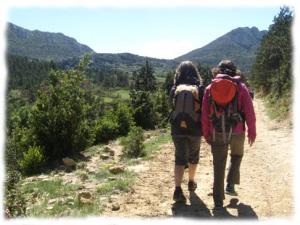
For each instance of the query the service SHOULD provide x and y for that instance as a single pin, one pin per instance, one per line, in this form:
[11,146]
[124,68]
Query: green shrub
[124,117]
[144,110]
[14,203]
[162,108]
[32,160]
[63,113]
[116,122]
[279,107]
[18,110]
[134,143]
[107,128]
[17,143]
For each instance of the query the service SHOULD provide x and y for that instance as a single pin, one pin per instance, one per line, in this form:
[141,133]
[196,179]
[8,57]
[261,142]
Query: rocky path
[266,189]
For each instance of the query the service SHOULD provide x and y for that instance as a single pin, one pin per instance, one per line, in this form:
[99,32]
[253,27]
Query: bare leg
[178,172]
[192,171]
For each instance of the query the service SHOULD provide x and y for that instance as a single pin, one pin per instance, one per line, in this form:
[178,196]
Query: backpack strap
[201,89]
[236,111]
[213,114]
[171,102]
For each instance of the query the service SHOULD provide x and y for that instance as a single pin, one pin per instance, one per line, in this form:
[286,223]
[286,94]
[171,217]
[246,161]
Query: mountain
[42,45]
[238,45]
[58,47]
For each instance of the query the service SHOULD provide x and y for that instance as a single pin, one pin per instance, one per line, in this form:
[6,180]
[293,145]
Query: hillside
[42,45]
[239,45]
[122,61]
[130,60]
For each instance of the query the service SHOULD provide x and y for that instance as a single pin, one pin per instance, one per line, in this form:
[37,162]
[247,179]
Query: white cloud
[162,49]
[165,49]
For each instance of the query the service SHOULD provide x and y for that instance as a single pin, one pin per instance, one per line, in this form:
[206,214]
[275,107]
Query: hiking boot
[178,195]
[230,190]
[218,204]
[192,185]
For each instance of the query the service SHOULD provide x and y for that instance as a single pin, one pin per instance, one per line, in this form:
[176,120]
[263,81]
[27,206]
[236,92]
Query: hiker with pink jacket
[226,108]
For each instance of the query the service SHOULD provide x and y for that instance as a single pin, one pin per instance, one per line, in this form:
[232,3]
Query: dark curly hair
[227,67]
[187,73]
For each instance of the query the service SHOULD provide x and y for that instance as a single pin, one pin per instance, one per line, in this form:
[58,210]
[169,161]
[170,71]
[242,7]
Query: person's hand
[251,141]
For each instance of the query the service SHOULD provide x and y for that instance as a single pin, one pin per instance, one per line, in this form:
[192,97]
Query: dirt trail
[266,189]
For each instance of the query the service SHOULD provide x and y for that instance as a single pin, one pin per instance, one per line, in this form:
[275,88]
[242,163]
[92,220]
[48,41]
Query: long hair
[187,73]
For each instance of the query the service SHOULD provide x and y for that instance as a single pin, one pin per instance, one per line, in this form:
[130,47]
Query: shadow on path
[244,211]
[198,209]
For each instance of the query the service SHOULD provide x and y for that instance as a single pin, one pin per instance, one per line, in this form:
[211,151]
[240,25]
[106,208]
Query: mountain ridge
[43,45]
[239,45]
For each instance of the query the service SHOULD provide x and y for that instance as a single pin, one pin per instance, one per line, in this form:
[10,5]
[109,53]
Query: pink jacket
[245,105]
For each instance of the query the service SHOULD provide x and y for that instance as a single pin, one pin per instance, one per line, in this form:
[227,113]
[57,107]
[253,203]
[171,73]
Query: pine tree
[169,82]
[271,72]
[144,79]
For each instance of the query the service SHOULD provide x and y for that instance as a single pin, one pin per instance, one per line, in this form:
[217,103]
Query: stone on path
[116,169]
[69,162]
[85,197]
[115,206]
[104,156]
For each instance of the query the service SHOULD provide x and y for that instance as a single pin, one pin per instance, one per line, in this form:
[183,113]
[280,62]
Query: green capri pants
[220,152]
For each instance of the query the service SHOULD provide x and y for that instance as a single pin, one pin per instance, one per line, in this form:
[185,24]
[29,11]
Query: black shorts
[187,149]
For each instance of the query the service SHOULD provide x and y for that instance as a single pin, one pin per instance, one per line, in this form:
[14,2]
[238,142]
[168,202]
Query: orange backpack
[224,112]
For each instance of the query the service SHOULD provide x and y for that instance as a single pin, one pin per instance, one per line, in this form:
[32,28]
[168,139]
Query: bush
[14,203]
[62,114]
[162,108]
[18,110]
[144,110]
[107,128]
[124,117]
[279,108]
[17,143]
[33,160]
[116,122]
[134,143]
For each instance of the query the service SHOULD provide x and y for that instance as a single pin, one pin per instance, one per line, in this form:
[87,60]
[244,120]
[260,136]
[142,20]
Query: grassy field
[116,94]
[160,80]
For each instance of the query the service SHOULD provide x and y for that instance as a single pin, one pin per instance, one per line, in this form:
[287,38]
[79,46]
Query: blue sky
[155,32]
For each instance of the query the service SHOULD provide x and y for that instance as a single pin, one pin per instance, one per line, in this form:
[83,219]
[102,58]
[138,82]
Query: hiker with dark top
[214,71]
[186,97]
[244,80]
[226,107]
